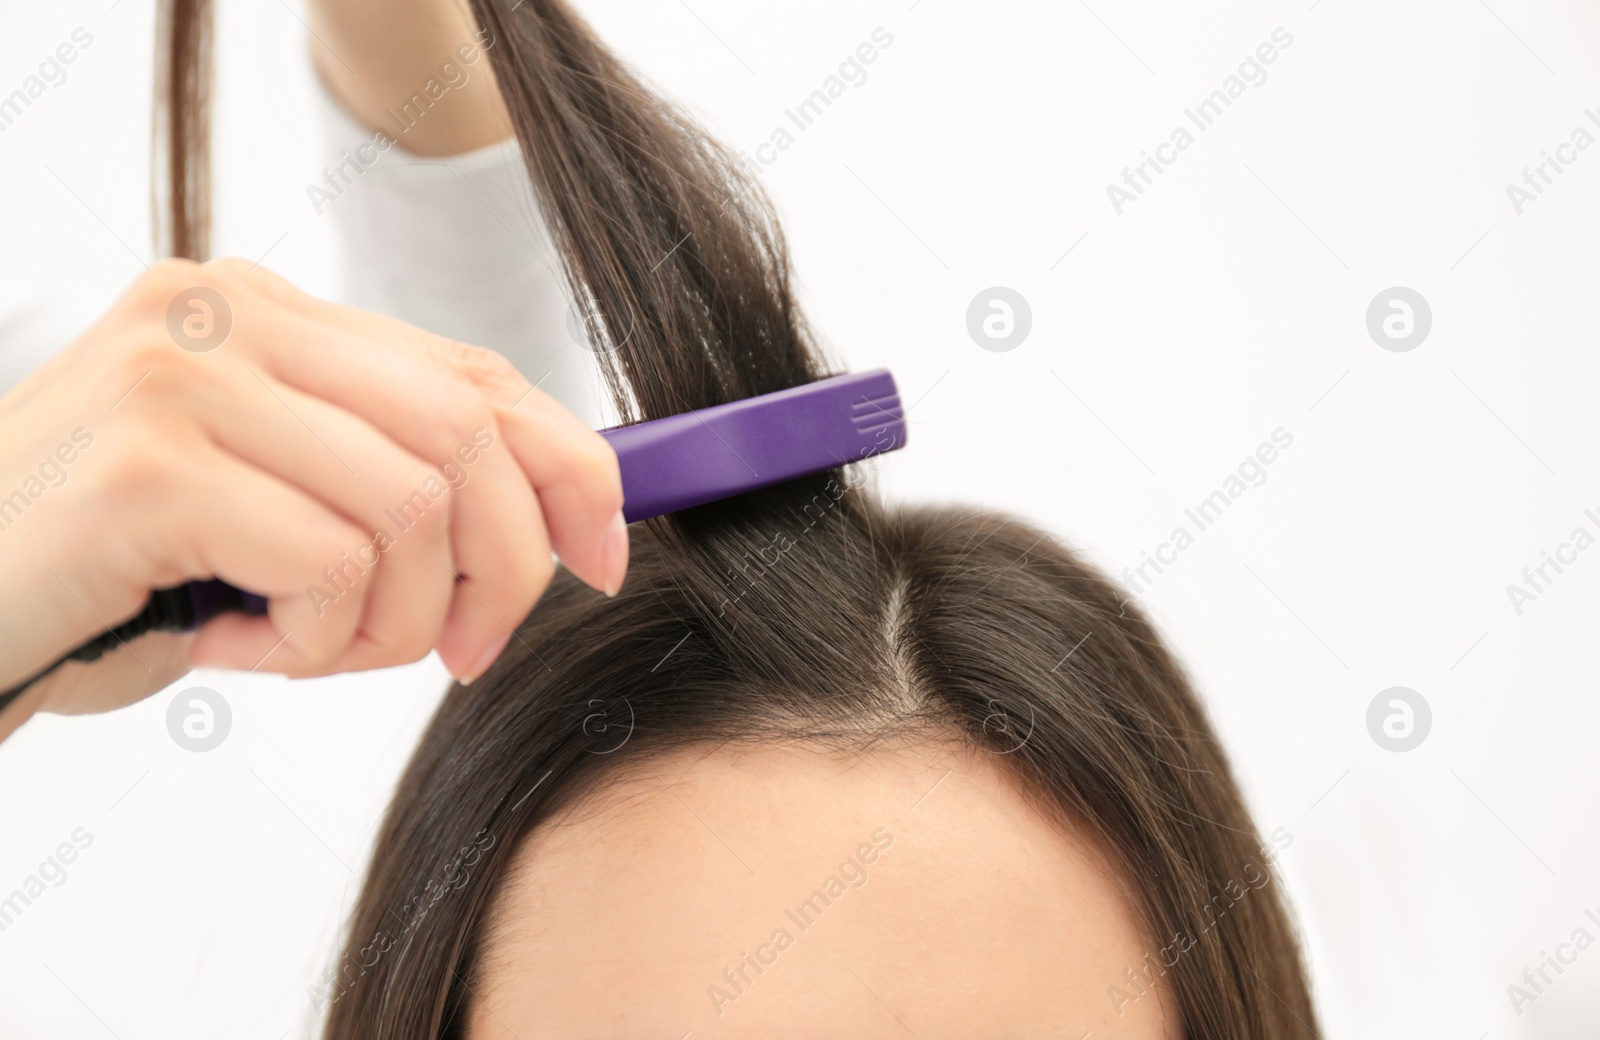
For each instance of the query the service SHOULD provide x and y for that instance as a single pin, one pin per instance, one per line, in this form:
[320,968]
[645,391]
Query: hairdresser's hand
[390,491]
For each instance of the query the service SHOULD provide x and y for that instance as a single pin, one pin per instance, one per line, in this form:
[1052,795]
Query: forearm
[378,57]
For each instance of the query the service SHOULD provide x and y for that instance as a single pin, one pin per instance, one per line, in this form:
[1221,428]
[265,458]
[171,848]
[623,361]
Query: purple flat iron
[667,465]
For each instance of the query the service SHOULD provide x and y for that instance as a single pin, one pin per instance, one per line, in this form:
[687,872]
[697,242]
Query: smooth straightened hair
[805,612]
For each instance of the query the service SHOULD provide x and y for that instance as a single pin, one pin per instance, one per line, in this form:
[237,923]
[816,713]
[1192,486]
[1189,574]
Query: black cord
[167,610]
[22,687]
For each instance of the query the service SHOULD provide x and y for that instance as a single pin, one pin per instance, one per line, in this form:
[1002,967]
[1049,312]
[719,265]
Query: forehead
[785,892]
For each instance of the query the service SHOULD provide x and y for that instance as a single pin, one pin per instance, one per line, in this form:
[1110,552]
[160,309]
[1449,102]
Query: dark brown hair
[180,195]
[807,611]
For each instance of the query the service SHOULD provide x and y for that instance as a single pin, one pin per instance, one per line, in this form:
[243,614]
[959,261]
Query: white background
[1167,343]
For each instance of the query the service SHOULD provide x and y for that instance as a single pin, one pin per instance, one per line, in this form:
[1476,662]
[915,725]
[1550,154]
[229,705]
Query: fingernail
[489,656]
[614,554]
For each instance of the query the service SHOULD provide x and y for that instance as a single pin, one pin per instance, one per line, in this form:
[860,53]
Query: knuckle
[413,511]
[154,289]
[467,427]
[228,267]
[154,354]
[135,470]
[171,270]
[161,372]
[466,410]
[193,304]
[485,369]
[235,274]
[425,502]
[332,536]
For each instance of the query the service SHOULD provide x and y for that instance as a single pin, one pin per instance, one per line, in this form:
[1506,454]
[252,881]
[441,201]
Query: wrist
[424,74]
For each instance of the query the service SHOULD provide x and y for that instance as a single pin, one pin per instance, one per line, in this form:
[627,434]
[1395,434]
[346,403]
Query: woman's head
[824,767]
[943,707]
